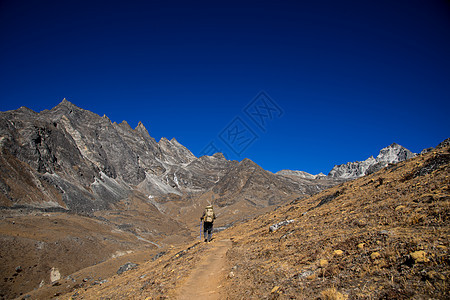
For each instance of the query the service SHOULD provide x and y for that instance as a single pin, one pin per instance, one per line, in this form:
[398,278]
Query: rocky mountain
[124,191]
[89,160]
[301,174]
[381,236]
[71,159]
[76,160]
[390,155]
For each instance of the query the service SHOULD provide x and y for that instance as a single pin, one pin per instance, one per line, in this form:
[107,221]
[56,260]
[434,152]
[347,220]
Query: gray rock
[277,226]
[126,267]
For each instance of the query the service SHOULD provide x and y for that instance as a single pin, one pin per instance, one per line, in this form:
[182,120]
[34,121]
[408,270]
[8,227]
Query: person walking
[208,218]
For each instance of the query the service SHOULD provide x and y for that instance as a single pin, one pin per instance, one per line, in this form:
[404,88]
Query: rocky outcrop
[392,154]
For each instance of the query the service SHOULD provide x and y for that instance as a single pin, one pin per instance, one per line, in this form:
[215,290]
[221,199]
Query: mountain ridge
[381,236]
[74,148]
[70,166]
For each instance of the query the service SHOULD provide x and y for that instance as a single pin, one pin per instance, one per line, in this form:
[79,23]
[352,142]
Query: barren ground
[207,277]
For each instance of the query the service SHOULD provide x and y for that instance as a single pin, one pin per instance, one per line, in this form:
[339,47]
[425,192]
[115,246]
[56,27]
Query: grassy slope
[383,236]
[379,223]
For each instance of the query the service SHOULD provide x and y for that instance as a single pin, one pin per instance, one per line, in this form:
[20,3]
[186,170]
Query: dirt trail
[204,282]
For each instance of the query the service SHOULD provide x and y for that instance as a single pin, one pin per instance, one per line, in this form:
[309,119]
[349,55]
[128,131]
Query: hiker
[208,220]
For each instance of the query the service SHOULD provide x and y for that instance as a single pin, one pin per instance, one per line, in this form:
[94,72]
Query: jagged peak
[140,125]
[24,109]
[106,118]
[219,155]
[395,145]
[66,104]
[163,140]
[248,163]
[141,128]
[124,124]
[177,143]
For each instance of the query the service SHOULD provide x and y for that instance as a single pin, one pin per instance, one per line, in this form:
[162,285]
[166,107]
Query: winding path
[204,282]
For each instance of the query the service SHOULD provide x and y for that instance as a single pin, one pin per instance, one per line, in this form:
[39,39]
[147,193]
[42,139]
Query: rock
[55,275]
[323,263]
[375,255]
[19,269]
[304,274]
[361,246]
[275,227]
[419,256]
[158,255]
[126,267]
[231,274]
[338,252]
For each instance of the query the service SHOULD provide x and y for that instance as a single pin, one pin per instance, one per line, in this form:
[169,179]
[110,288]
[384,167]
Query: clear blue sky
[349,77]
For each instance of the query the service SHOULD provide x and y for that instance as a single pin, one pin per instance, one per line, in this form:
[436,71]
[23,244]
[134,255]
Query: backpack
[209,214]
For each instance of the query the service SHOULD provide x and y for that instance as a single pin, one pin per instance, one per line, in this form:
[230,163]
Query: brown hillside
[383,236]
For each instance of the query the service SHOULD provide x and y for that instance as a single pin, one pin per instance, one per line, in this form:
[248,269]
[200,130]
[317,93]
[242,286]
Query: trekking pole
[200,230]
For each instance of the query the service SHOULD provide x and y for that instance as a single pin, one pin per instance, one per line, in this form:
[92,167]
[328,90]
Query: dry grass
[391,229]
[378,222]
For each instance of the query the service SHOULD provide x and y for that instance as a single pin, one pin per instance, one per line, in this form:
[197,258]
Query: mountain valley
[80,196]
